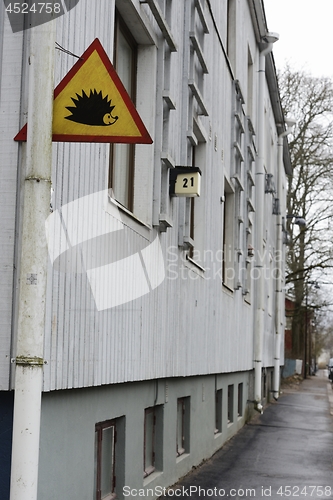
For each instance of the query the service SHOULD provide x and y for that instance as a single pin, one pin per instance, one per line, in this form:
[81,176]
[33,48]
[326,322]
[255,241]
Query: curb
[330,396]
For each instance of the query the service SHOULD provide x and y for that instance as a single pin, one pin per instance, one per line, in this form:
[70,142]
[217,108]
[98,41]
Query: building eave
[260,27]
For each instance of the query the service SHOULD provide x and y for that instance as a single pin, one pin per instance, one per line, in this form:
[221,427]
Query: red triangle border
[144,138]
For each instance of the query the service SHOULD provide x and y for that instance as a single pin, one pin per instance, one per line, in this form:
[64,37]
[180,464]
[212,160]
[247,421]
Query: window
[192,215]
[192,225]
[228,271]
[196,214]
[230,404]
[180,427]
[153,440]
[249,83]
[149,442]
[231,30]
[218,411]
[105,478]
[183,405]
[264,382]
[270,285]
[121,175]
[240,400]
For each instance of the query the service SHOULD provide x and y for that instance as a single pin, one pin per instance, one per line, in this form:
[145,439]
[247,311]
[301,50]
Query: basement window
[149,442]
[218,411]
[230,404]
[183,423]
[105,478]
[153,440]
[240,400]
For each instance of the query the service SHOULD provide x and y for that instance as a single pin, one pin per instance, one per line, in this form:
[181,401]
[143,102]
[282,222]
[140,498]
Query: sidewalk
[315,382]
[286,452]
[318,384]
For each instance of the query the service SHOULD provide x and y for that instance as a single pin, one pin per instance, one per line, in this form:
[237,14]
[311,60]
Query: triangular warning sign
[92,105]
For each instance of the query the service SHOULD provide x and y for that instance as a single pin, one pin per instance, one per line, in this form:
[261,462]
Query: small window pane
[96,459]
[230,404]
[121,162]
[180,427]
[149,443]
[121,177]
[107,461]
[218,411]
[240,400]
[125,62]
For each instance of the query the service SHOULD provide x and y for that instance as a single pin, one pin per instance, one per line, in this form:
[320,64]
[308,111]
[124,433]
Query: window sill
[147,472]
[227,289]
[217,434]
[129,219]
[154,475]
[182,457]
[111,496]
[194,266]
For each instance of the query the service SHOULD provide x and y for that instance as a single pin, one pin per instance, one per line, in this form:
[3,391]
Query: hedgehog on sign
[93,110]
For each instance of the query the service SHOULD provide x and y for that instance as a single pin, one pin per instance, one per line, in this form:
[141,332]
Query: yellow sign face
[92,105]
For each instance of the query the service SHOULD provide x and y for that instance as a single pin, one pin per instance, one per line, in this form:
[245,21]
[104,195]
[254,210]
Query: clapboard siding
[10,94]
[186,326]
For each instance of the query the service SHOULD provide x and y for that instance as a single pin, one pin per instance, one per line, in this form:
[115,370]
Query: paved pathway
[286,452]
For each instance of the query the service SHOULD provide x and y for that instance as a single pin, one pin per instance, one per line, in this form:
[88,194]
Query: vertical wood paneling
[10,93]
[185,326]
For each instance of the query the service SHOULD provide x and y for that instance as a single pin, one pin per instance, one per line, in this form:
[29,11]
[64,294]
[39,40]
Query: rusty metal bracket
[28,361]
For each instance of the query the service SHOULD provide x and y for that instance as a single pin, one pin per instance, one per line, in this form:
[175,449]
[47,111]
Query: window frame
[181,449]
[218,411]
[240,400]
[121,27]
[231,31]
[147,470]
[231,404]
[228,251]
[183,427]
[99,427]
[192,211]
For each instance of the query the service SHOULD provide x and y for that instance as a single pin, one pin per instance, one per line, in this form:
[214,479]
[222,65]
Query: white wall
[192,324]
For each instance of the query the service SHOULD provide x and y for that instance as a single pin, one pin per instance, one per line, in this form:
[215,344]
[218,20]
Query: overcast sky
[306,34]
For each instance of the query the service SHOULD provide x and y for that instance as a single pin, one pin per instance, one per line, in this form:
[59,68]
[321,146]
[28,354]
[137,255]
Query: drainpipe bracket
[28,361]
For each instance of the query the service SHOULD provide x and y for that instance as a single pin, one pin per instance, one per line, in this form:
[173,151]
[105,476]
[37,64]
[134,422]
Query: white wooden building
[126,310]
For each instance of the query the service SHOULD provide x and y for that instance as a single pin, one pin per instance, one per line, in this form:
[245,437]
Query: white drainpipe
[278,299]
[36,192]
[260,218]
[279,304]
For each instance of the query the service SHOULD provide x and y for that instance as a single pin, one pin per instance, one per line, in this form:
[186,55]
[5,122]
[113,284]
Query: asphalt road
[286,452]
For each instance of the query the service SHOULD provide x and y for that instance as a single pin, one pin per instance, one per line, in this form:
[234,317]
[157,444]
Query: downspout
[36,190]
[260,193]
[279,279]
[279,304]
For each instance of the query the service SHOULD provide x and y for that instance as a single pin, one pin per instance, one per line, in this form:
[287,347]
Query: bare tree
[310,189]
